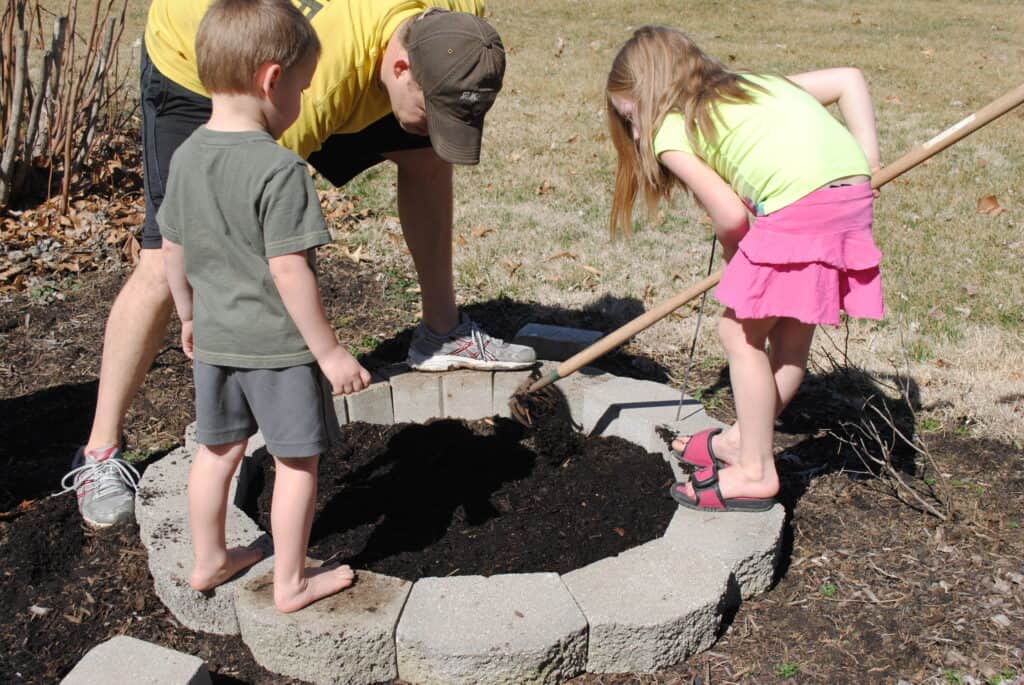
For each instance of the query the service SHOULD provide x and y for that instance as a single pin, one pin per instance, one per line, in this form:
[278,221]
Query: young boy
[239,220]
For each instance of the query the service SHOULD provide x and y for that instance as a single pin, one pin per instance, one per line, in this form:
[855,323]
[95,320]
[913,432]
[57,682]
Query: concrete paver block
[416,396]
[340,409]
[169,546]
[557,343]
[634,409]
[372,405]
[124,660]
[163,491]
[345,638]
[746,543]
[467,394]
[514,629]
[574,388]
[646,610]
[505,384]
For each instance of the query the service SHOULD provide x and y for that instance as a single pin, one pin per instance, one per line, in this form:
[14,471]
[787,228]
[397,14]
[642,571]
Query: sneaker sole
[99,524]
[447,363]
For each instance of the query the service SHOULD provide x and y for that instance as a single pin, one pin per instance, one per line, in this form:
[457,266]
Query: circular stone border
[645,609]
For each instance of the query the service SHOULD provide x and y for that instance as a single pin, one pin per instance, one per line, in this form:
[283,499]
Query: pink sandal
[698,453]
[709,498]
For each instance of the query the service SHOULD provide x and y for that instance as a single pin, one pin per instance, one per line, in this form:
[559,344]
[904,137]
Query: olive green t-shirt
[233,200]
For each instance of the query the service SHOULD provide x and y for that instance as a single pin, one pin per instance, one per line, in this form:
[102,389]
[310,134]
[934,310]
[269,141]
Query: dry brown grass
[955,298]
[952,275]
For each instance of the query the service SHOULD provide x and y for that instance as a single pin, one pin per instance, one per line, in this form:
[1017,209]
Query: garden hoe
[534,397]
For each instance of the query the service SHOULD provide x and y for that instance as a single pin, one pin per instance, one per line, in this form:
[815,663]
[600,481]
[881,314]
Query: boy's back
[234,200]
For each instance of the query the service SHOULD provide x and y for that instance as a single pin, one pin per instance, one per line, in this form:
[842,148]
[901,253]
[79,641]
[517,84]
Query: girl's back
[774,150]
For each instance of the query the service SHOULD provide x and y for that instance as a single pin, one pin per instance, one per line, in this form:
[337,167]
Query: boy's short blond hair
[236,37]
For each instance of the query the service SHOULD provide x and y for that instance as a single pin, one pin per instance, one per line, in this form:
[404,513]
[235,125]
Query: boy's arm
[728,213]
[181,291]
[847,87]
[297,285]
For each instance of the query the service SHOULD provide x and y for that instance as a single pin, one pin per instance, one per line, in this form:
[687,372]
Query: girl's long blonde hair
[660,70]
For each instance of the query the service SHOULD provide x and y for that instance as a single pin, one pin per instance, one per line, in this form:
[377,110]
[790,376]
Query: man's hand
[186,339]
[345,374]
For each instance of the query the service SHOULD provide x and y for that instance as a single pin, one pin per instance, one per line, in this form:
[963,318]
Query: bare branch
[16,110]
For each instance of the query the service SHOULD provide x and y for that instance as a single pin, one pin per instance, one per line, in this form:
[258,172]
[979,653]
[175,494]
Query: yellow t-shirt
[344,96]
[774,150]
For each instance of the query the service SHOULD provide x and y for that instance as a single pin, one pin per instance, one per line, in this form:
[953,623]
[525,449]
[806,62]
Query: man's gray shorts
[292,407]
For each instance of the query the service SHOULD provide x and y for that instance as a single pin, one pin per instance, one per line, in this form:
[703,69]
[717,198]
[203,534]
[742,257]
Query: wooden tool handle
[961,129]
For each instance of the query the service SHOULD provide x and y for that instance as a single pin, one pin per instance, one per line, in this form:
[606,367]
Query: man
[403,80]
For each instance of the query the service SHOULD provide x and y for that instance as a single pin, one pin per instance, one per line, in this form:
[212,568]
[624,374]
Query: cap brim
[453,140]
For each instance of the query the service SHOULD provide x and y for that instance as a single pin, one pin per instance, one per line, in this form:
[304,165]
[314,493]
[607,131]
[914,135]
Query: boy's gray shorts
[292,407]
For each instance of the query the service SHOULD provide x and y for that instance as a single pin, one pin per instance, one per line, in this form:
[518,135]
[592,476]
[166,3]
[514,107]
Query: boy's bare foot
[207,577]
[317,583]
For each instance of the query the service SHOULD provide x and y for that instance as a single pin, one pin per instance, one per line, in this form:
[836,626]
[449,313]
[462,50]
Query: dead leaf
[512,266]
[971,290]
[590,269]
[559,46]
[893,100]
[573,138]
[131,250]
[928,52]
[481,231]
[561,255]
[460,240]
[515,157]
[519,614]
[545,188]
[619,531]
[356,255]
[936,314]
[990,205]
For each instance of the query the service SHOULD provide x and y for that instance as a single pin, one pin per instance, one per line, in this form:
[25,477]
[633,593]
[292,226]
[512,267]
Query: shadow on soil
[39,434]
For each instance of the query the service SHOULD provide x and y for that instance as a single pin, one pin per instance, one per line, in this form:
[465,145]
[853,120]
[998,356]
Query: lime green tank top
[774,150]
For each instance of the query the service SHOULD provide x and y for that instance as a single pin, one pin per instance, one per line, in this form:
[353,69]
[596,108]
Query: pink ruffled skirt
[808,261]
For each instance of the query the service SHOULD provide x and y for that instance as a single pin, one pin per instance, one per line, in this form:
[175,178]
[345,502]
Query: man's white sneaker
[465,347]
[105,485]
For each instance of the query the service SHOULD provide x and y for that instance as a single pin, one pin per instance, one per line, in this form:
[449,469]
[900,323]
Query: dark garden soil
[480,498]
[870,589]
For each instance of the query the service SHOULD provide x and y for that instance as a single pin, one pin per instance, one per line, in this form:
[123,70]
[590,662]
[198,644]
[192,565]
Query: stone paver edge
[352,400]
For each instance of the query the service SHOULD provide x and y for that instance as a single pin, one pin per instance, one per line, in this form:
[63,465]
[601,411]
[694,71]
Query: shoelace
[105,476]
[481,344]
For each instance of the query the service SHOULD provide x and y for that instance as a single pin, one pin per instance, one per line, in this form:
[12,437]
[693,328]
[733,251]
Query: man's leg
[103,481]
[425,211]
[444,339]
[135,329]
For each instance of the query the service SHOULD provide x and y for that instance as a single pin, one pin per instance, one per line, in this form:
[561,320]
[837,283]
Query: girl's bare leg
[789,346]
[291,518]
[208,482]
[753,386]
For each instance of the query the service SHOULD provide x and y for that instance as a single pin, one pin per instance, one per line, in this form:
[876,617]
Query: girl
[764,146]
